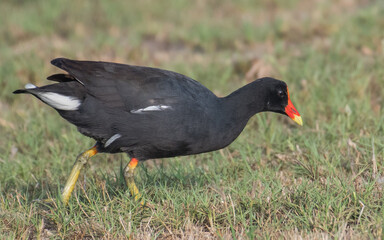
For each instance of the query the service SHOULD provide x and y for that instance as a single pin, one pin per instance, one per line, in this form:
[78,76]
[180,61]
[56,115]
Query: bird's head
[278,100]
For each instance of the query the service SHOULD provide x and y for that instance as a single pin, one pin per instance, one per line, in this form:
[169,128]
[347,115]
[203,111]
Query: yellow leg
[130,179]
[81,160]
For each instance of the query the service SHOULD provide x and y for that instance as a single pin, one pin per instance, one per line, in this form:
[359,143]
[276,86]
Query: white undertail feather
[151,109]
[29,86]
[112,139]
[59,101]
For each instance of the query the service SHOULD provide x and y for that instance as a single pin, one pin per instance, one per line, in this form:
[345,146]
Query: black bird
[152,113]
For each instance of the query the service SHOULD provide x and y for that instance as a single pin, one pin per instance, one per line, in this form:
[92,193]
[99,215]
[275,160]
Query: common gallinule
[152,113]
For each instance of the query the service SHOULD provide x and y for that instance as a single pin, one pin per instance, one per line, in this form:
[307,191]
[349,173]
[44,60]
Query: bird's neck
[246,101]
[234,111]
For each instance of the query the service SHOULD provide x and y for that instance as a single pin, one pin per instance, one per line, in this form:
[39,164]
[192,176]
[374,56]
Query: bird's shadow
[154,178]
[148,179]
[173,176]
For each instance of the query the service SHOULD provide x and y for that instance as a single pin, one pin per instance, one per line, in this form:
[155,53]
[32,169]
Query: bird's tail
[61,96]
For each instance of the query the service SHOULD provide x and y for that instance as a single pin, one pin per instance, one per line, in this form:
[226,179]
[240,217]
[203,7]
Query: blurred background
[329,52]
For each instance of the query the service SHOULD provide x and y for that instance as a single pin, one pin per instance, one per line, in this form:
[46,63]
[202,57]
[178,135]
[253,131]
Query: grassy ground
[277,180]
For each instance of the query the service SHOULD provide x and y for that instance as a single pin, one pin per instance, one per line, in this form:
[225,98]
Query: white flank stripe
[59,101]
[29,86]
[151,109]
[112,139]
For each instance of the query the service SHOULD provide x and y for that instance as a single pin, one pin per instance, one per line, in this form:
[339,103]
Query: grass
[276,181]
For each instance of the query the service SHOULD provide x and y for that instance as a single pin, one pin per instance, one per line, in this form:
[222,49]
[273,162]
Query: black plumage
[153,113]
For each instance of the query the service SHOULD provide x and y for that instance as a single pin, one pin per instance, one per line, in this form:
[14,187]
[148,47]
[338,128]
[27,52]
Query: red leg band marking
[133,163]
[91,152]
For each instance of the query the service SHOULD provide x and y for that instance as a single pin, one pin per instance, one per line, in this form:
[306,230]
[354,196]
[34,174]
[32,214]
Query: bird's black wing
[141,105]
[130,87]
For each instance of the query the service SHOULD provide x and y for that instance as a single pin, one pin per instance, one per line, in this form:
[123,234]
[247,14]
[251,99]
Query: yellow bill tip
[298,120]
